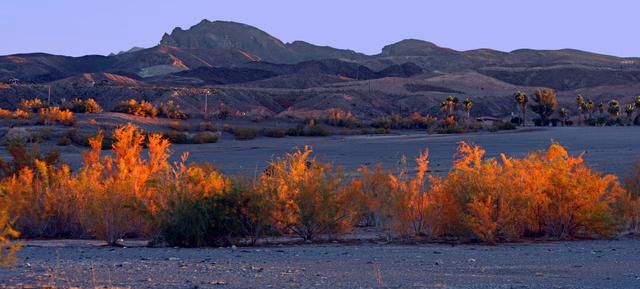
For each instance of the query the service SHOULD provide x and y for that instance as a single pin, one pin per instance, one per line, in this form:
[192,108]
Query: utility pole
[49,97]
[207,93]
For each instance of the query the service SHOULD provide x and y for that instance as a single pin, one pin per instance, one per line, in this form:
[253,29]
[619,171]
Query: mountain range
[252,71]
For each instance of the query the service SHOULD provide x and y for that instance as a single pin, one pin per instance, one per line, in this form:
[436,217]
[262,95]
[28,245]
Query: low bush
[206,126]
[205,137]
[274,132]
[179,137]
[216,220]
[5,114]
[338,117]
[54,114]
[171,110]
[244,133]
[32,105]
[132,106]
[308,130]
[84,106]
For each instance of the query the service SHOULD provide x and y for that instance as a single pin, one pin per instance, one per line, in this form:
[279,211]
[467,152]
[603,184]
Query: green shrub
[177,137]
[245,133]
[217,220]
[308,130]
[84,106]
[274,132]
[205,137]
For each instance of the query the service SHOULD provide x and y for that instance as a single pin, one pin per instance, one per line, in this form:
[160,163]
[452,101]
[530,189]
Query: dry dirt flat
[607,149]
[579,264]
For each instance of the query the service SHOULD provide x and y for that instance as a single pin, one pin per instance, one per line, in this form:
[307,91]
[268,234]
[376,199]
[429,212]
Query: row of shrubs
[146,109]
[546,194]
[247,133]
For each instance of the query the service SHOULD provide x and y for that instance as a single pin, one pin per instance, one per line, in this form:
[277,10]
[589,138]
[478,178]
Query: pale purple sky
[79,27]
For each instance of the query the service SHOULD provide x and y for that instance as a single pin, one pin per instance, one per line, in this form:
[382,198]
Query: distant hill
[252,69]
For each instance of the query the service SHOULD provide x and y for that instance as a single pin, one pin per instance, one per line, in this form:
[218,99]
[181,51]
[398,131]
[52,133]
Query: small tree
[614,108]
[546,101]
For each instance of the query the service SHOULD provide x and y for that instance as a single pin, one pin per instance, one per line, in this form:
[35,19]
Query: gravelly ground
[579,264]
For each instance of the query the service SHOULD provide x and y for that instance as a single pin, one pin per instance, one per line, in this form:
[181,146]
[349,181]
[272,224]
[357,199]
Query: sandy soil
[580,264]
[610,149]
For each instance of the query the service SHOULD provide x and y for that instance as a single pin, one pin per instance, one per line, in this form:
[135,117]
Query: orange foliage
[544,194]
[54,114]
[306,197]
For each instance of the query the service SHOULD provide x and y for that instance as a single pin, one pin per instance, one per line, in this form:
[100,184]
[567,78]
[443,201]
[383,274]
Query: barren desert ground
[579,264]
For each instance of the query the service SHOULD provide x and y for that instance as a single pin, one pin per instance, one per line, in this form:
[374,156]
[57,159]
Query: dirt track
[580,264]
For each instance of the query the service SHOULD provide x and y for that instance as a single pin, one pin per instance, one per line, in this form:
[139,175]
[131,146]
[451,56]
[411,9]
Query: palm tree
[614,108]
[580,103]
[449,101]
[601,107]
[589,106]
[444,108]
[629,109]
[467,104]
[522,99]
[455,103]
[564,113]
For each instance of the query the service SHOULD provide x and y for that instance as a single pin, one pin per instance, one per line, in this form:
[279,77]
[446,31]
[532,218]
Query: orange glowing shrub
[43,200]
[5,114]
[120,190]
[52,115]
[547,194]
[306,197]
[21,114]
[32,105]
[8,248]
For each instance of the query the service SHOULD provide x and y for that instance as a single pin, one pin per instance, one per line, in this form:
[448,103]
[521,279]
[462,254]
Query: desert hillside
[250,71]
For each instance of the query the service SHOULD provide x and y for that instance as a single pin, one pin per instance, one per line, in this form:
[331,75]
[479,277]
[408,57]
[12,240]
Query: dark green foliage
[205,137]
[274,132]
[84,106]
[309,130]
[245,133]
[218,220]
